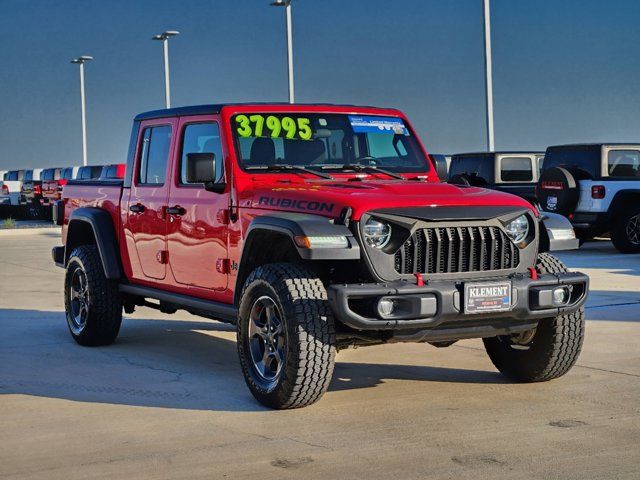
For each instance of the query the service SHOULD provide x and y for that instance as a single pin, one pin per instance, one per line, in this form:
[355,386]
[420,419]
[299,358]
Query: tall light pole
[287,5]
[164,37]
[488,74]
[81,61]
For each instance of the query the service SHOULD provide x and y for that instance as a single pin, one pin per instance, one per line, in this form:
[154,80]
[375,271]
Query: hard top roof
[213,109]
[587,145]
[502,152]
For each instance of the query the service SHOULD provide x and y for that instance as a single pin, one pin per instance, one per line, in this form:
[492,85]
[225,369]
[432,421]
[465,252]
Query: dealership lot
[168,400]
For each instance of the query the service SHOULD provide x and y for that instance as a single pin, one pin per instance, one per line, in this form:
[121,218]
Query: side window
[201,138]
[623,163]
[516,169]
[28,176]
[478,168]
[154,155]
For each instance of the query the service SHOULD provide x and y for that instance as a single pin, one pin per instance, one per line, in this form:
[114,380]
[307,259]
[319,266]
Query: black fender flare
[553,222]
[101,224]
[619,200]
[294,225]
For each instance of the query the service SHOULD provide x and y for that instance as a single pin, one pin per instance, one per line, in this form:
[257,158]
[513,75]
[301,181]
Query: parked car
[52,189]
[13,181]
[597,186]
[49,185]
[511,172]
[31,194]
[113,172]
[314,228]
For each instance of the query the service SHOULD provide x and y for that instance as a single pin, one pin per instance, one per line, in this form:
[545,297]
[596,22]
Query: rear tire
[93,303]
[286,336]
[547,352]
[626,232]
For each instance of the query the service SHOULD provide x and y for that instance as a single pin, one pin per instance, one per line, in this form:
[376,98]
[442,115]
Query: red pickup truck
[314,228]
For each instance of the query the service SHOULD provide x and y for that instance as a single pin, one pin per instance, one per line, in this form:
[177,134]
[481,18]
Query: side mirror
[201,168]
[441,167]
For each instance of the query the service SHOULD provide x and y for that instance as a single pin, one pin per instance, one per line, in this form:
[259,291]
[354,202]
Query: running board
[217,310]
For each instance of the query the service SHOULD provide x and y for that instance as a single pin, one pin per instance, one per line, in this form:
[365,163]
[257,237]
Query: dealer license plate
[487,297]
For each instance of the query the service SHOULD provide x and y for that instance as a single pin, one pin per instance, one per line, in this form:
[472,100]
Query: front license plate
[487,297]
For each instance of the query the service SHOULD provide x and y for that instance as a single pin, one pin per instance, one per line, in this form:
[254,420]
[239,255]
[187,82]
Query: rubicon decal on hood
[311,206]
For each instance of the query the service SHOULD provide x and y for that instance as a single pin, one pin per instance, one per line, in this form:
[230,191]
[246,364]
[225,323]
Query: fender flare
[292,225]
[99,221]
[553,222]
[617,202]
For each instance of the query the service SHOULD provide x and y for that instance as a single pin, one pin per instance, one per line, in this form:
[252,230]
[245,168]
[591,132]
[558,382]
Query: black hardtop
[501,152]
[588,146]
[214,109]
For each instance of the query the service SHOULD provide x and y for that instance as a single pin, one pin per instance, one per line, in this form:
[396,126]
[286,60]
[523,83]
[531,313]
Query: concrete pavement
[168,399]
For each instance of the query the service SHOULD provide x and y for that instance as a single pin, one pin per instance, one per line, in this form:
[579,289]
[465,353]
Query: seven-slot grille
[456,250]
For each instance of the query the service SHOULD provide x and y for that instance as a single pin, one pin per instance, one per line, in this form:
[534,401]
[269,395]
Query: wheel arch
[278,232]
[94,226]
[617,205]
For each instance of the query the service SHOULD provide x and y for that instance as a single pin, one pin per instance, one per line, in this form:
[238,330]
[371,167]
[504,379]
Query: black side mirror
[201,168]
[441,167]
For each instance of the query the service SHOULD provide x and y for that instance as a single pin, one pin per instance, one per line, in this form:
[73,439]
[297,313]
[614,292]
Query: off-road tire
[104,302]
[620,235]
[554,348]
[309,335]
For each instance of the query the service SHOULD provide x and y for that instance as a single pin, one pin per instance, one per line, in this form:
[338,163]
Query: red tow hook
[534,273]
[419,279]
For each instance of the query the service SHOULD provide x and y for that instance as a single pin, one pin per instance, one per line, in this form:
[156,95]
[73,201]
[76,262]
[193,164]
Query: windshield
[326,141]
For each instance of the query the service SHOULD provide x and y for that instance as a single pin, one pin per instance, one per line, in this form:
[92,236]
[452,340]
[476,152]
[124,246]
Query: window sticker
[272,126]
[371,124]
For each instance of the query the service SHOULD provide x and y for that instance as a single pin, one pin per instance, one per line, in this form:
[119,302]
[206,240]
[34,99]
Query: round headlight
[518,229]
[376,233]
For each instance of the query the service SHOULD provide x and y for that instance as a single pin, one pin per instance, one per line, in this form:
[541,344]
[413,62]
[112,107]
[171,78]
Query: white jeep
[597,186]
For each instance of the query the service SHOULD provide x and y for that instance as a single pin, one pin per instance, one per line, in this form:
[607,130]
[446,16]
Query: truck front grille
[456,250]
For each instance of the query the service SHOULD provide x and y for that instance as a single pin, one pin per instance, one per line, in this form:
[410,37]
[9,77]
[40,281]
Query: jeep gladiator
[313,228]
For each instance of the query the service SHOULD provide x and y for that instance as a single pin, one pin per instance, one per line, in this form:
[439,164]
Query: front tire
[93,304]
[286,336]
[547,352]
[626,233]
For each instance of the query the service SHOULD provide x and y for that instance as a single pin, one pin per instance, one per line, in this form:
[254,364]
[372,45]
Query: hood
[329,197]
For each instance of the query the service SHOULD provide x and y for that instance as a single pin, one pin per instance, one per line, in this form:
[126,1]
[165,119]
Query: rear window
[48,174]
[623,163]
[583,161]
[516,169]
[478,166]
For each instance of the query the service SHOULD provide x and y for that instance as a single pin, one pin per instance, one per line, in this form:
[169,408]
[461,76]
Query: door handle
[137,208]
[177,210]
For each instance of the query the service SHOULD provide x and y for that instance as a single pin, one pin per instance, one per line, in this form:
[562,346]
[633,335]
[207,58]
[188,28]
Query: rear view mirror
[201,168]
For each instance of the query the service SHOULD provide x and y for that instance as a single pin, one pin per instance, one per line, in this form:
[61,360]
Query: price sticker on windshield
[258,125]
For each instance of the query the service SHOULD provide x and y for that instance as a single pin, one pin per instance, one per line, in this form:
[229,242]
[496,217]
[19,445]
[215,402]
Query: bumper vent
[456,250]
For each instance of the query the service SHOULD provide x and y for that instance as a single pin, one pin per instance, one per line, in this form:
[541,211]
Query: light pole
[287,5]
[488,73]
[81,61]
[164,37]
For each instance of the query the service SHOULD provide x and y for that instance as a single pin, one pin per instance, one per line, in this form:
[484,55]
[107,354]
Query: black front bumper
[439,304]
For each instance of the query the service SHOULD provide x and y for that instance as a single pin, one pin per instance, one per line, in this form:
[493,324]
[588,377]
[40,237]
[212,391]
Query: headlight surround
[376,233]
[518,229]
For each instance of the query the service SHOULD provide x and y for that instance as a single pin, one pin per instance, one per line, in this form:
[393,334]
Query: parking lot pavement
[168,399]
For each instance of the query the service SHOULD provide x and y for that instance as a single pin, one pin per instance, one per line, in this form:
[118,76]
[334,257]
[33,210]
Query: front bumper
[439,304]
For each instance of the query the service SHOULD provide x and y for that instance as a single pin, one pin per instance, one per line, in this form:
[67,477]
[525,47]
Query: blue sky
[564,71]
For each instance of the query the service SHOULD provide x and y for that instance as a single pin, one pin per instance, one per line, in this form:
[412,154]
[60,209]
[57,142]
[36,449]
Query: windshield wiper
[283,167]
[356,167]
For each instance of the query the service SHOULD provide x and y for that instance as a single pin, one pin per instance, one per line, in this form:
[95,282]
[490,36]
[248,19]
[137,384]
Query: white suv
[597,186]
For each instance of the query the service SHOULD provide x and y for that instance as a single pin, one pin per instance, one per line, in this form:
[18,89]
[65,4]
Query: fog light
[560,295]
[386,306]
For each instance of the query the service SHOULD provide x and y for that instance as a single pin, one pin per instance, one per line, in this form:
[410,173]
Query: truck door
[197,228]
[146,217]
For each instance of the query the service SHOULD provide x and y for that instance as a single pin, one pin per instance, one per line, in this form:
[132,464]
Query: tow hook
[419,279]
